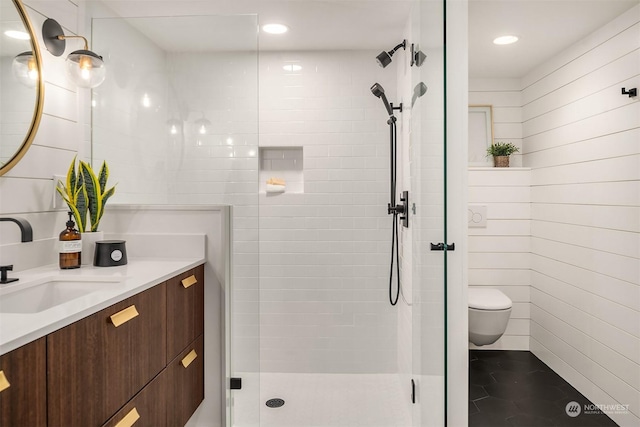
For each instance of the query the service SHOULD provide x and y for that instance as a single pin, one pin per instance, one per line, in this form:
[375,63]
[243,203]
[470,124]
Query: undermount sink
[53,291]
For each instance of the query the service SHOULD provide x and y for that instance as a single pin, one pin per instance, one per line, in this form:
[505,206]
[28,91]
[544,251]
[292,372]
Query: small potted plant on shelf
[501,152]
[86,194]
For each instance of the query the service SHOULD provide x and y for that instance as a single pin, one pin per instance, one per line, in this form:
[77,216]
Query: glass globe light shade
[25,69]
[86,69]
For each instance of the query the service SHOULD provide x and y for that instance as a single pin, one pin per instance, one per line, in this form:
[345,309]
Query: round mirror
[21,85]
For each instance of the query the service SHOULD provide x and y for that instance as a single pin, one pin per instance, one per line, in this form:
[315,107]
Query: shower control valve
[397,209]
[401,209]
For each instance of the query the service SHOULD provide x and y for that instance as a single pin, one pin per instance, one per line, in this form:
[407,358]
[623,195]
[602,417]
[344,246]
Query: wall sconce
[25,69]
[85,68]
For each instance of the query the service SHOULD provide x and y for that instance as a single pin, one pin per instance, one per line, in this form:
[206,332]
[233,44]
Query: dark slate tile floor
[516,389]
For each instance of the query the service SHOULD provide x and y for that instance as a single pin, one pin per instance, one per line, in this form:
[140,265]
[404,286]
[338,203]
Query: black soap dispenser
[70,248]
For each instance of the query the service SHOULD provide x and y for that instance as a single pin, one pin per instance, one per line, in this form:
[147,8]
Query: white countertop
[17,329]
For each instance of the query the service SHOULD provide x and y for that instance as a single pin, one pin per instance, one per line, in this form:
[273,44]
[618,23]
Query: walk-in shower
[307,321]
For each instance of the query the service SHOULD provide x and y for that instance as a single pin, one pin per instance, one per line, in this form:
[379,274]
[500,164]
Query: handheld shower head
[384,58]
[378,91]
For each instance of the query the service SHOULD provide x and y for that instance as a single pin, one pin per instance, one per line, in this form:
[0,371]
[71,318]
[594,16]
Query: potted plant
[501,152]
[86,195]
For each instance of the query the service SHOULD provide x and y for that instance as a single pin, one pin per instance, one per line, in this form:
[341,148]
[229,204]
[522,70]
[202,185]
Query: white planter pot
[89,240]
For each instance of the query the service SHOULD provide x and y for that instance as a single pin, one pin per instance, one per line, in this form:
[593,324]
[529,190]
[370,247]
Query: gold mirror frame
[37,113]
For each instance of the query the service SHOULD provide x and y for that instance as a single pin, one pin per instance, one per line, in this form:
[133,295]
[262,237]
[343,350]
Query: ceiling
[545,27]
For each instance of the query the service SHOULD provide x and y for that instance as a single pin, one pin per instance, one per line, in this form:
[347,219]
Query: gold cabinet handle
[129,419]
[124,316]
[191,280]
[189,358]
[4,382]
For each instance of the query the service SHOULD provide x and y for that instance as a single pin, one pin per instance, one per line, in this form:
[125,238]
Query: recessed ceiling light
[20,35]
[275,28]
[505,40]
[292,67]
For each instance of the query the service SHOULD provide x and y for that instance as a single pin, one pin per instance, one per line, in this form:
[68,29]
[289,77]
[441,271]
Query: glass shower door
[428,181]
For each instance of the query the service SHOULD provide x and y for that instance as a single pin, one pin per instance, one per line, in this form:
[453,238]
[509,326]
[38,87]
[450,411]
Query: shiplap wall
[582,141]
[504,95]
[499,254]
[27,190]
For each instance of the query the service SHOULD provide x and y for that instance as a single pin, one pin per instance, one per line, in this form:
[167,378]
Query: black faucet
[25,228]
[3,274]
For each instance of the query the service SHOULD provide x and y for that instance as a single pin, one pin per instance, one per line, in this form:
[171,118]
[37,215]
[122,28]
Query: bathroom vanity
[131,351]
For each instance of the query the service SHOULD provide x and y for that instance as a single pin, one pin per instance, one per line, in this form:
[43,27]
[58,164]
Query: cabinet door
[23,386]
[185,380]
[146,409]
[99,363]
[185,310]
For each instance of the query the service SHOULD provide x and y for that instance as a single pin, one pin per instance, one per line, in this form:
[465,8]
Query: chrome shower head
[384,58]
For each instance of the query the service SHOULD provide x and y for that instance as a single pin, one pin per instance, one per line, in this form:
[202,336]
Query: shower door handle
[443,247]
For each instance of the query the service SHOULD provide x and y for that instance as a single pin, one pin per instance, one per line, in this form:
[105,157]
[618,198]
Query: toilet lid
[488,299]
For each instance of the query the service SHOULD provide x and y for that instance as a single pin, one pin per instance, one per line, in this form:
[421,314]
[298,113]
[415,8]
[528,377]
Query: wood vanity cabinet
[147,408]
[139,361]
[97,364]
[186,375]
[185,310]
[23,386]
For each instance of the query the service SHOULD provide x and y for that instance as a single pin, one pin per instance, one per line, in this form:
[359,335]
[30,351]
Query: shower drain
[275,403]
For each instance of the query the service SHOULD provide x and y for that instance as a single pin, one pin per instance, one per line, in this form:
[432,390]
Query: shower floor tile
[516,389]
[329,400]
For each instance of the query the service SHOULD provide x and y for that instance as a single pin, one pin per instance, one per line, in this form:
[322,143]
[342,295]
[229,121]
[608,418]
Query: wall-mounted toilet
[489,311]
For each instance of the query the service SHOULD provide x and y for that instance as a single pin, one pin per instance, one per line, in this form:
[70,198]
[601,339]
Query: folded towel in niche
[273,188]
[276,181]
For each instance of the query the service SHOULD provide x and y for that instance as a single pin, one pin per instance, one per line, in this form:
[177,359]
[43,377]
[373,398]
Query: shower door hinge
[413,391]
[235,384]
[443,247]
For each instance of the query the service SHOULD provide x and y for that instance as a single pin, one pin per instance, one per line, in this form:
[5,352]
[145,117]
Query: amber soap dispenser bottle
[70,246]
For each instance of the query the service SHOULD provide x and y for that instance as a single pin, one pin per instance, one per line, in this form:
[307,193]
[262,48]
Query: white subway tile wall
[324,246]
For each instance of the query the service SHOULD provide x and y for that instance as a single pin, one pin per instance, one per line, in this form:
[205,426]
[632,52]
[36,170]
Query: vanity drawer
[185,310]
[146,409]
[96,365]
[23,386]
[185,379]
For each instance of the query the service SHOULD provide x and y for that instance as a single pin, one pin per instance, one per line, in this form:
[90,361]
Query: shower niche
[281,165]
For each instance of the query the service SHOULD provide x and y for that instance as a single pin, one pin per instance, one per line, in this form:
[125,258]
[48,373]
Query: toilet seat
[488,299]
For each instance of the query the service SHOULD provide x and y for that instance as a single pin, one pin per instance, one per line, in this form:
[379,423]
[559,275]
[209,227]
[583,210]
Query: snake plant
[85,193]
